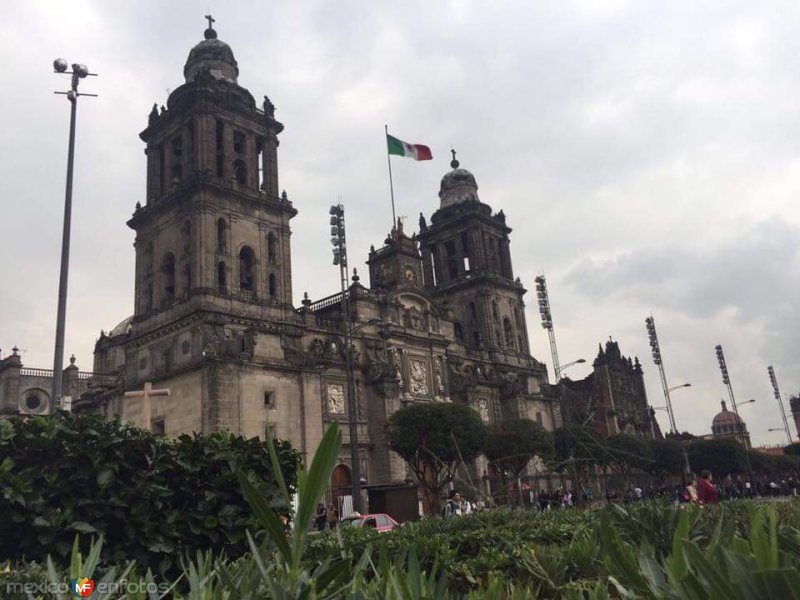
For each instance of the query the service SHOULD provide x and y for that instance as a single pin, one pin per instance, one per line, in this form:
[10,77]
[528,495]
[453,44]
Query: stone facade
[794,405]
[29,391]
[214,323]
[612,398]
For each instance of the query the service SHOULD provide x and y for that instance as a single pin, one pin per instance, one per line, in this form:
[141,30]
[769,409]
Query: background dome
[726,417]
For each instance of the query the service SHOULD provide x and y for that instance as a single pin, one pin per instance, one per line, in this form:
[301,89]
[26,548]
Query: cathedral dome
[727,422]
[211,56]
[458,186]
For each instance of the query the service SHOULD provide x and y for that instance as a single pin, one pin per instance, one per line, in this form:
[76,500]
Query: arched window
[221,278]
[168,276]
[495,312]
[476,339]
[240,169]
[473,312]
[247,276]
[508,332]
[222,235]
[271,247]
[273,285]
[186,235]
[459,330]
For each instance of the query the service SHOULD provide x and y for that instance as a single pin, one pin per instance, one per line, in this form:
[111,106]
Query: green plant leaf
[312,483]
[266,516]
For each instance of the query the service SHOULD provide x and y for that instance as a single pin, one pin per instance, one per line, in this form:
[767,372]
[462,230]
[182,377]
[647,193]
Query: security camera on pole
[79,72]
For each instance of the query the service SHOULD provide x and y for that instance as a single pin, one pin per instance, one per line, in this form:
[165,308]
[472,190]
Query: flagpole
[391,185]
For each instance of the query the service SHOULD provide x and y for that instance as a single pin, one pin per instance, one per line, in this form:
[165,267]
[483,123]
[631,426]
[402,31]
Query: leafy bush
[151,498]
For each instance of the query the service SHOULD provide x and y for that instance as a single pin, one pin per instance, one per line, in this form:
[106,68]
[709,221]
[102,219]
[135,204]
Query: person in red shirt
[706,491]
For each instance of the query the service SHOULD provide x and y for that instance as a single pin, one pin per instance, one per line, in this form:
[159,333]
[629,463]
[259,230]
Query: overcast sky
[647,156]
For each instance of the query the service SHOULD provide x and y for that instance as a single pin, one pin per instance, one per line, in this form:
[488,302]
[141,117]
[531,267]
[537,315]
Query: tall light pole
[339,242]
[547,322]
[777,393]
[726,379]
[655,348]
[79,72]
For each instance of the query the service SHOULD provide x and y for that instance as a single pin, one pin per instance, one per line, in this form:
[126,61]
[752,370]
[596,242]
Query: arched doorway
[341,487]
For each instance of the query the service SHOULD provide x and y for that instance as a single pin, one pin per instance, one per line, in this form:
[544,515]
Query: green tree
[667,459]
[682,436]
[578,450]
[721,457]
[792,449]
[512,444]
[152,498]
[628,452]
[434,438]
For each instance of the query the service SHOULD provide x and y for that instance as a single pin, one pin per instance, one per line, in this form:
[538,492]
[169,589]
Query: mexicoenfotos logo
[82,588]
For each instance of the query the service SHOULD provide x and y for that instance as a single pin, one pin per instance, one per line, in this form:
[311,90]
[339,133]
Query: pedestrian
[544,500]
[691,490]
[333,516]
[453,506]
[706,492]
[321,517]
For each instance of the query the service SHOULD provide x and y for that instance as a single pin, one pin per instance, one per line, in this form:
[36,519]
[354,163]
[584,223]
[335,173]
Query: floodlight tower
[339,242]
[726,379]
[774,381]
[655,348]
[547,322]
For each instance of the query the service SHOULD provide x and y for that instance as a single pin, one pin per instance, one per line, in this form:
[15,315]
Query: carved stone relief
[418,376]
[335,397]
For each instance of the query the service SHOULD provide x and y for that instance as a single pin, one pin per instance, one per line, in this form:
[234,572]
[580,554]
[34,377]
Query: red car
[379,522]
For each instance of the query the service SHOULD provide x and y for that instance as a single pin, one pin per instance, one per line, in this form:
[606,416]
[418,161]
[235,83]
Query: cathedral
[214,324]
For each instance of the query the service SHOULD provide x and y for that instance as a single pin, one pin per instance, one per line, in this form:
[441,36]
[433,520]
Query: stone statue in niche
[335,398]
[438,380]
[396,365]
[415,319]
[483,409]
[418,372]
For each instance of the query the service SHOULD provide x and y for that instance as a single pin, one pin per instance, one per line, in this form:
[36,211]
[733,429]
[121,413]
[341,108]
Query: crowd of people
[691,491]
[699,490]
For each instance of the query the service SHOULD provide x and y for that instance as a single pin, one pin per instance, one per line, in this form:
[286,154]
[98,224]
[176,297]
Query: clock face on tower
[409,275]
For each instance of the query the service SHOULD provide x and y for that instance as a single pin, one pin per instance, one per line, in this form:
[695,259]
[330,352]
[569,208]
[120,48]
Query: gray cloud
[645,155]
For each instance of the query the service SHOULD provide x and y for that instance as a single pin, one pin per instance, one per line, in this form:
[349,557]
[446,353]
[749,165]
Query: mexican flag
[401,148]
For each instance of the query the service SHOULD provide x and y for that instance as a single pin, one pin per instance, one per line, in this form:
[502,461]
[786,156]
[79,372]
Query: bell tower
[466,260]
[214,227]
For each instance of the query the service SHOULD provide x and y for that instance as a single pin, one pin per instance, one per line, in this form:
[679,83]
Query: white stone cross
[145,395]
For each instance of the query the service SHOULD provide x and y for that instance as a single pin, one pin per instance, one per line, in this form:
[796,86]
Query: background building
[728,424]
[612,398]
[213,318]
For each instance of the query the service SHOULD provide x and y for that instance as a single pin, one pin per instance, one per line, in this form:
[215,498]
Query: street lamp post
[79,72]
[339,242]
[580,361]
[777,393]
[655,348]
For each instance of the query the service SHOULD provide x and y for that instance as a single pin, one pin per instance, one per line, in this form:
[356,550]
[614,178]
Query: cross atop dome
[209,33]
[454,163]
